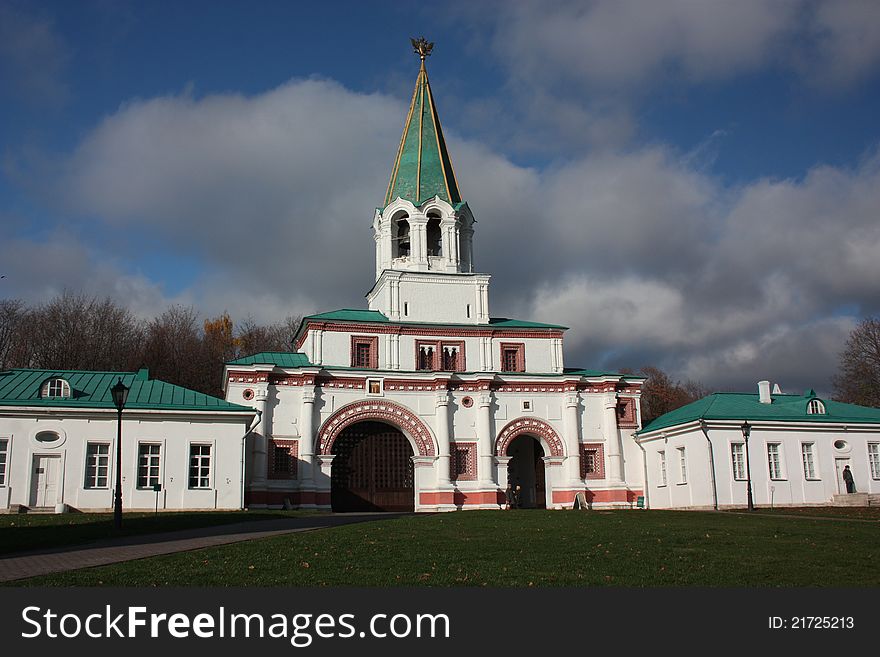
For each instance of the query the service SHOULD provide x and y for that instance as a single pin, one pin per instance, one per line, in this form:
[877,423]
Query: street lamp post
[120,395]
[747,430]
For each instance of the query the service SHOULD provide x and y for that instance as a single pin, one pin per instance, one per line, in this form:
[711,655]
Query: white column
[612,440]
[323,472]
[572,440]
[423,471]
[307,437]
[501,463]
[261,439]
[442,425]
[485,442]
[418,235]
[318,356]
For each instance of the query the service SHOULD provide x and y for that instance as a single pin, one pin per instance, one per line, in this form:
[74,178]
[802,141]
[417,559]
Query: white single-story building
[181,449]
[792,448]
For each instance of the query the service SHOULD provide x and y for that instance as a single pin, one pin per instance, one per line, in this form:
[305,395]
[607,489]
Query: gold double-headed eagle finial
[422,47]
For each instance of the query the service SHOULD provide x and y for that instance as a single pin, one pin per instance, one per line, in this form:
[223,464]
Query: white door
[839,464]
[44,480]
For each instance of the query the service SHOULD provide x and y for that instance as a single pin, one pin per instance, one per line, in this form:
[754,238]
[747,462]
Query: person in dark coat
[848,480]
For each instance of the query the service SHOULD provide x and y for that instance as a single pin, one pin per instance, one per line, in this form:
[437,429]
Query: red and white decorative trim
[384,411]
[463,464]
[520,349]
[532,427]
[626,413]
[293,456]
[598,450]
[453,332]
[372,342]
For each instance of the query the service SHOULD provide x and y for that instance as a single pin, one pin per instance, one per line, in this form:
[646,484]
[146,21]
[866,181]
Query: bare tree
[173,347]
[254,338]
[74,331]
[12,313]
[660,394]
[858,377]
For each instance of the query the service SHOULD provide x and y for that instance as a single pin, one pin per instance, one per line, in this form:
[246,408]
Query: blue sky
[686,184]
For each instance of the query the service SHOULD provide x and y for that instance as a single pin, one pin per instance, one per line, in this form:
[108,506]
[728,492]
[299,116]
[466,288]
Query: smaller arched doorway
[372,469]
[526,469]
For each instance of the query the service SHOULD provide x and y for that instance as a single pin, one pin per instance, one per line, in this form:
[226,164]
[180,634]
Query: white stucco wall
[173,432]
[792,488]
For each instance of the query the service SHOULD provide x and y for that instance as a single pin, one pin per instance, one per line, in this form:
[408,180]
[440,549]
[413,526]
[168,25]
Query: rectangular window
[592,461]
[4,458]
[874,459]
[738,461]
[365,351]
[148,465]
[774,461]
[513,357]
[97,465]
[283,459]
[662,456]
[374,386]
[463,463]
[682,466]
[199,466]
[434,356]
[809,465]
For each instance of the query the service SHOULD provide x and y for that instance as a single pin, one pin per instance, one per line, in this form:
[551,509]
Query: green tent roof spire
[422,168]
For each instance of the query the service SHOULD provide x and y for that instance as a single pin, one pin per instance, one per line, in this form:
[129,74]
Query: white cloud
[647,258]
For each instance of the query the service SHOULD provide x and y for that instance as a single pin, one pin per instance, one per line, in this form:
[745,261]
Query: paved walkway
[44,562]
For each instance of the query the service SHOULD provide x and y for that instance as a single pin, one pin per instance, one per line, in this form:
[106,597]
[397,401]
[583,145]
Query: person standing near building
[848,480]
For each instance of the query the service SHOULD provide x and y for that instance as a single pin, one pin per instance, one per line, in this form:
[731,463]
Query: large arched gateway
[372,469]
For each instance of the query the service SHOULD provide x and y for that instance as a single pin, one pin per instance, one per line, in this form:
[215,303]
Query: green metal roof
[422,168]
[376,317]
[21,387]
[278,358]
[747,406]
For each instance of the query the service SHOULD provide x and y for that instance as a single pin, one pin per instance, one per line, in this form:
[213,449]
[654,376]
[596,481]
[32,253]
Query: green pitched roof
[21,387]
[746,406]
[376,317]
[422,168]
[279,358]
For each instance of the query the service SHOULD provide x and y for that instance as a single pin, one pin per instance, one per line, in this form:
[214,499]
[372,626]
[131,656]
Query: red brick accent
[292,460]
[456,332]
[520,349]
[597,496]
[599,456]
[463,461]
[372,341]
[382,410]
[462,498]
[532,427]
[626,413]
[437,361]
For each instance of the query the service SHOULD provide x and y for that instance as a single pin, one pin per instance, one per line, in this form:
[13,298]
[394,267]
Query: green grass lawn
[851,512]
[19,532]
[527,548]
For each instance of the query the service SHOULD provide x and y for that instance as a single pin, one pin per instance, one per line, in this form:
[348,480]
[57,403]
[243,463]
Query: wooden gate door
[373,470]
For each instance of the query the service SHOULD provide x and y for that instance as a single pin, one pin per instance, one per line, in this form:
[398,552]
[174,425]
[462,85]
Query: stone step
[856,499]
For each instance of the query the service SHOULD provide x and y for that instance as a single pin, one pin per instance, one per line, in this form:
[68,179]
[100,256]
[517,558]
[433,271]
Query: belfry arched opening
[372,469]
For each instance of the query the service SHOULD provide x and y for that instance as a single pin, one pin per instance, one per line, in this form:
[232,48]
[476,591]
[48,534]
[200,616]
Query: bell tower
[424,232]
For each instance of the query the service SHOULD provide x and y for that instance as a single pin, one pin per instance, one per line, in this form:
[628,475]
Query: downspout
[711,464]
[250,430]
[644,472]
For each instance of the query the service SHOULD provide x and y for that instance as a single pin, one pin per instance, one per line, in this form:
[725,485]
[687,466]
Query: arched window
[55,388]
[434,236]
[815,407]
[401,237]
